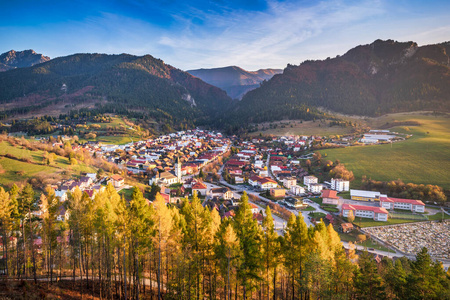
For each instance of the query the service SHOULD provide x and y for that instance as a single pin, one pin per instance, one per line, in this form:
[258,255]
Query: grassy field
[370,222]
[296,127]
[16,171]
[127,134]
[422,159]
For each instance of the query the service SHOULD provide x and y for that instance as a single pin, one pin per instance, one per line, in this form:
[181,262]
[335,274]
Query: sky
[193,34]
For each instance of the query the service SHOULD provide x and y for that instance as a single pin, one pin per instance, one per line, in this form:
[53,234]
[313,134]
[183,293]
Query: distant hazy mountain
[385,76]
[234,80]
[20,59]
[112,83]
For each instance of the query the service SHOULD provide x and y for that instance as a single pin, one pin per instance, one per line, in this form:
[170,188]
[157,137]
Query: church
[168,178]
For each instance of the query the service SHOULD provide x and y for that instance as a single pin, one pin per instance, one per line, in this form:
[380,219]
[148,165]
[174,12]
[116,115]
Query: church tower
[178,169]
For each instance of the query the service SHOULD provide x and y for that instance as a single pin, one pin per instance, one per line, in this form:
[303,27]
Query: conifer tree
[368,283]
[249,237]
[270,248]
[6,224]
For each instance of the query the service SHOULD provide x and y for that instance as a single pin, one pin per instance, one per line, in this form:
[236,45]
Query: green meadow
[424,158]
[17,171]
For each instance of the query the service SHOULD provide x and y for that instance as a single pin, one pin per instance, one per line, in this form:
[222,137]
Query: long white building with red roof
[373,212]
[406,204]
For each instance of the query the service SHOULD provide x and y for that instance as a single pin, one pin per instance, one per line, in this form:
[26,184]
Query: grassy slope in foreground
[422,159]
[16,171]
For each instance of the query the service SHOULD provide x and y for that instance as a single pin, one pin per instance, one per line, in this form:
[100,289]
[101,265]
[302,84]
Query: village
[220,169]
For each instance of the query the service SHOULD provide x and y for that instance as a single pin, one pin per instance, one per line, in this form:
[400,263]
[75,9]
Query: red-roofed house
[372,212]
[117,180]
[253,180]
[229,214]
[406,204]
[330,197]
[255,209]
[200,188]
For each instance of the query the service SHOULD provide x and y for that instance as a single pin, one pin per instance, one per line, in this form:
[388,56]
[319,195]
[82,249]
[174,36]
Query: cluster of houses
[194,148]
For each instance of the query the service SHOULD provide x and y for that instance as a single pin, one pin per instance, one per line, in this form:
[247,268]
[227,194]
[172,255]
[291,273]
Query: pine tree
[249,237]
[6,224]
[295,248]
[227,251]
[270,248]
[368,283]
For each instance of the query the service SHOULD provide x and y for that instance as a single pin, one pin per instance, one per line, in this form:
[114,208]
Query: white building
[267,184]
[307,180]
[406,204]
[340,185]
[289,182]
[361,195]
[297,190]
[372,212]
[315,188]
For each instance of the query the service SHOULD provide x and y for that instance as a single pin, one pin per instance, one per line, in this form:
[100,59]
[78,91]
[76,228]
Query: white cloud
[257,39]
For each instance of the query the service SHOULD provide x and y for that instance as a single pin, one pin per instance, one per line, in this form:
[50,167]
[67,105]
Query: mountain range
[369,80]
[20,59]
[234,80]
[382,77]
[114,83]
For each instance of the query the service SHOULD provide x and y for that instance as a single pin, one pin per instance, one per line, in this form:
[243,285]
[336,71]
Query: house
[224,193]
[297,190]
[297,202]
[373,212]
[346,227]
[117,181]
[253,180]
[229,214]
[307,180]
[361,195]
[63,214]
[340,185]
[238,179]
[254,208]
[277,193]
[288,182]
[406,204]
[330,197]
[200,188]
[315,188]
[61,194]
[267,183]
[259,218]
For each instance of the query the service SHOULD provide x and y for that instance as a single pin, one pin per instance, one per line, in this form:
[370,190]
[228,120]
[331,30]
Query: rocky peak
[20,59]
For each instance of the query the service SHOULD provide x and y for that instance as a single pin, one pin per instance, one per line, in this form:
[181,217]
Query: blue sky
[205,34]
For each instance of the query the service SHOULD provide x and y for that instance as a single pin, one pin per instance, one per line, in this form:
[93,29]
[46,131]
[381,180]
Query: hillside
[112,83]
[234,80]
[385,76]
[20,59]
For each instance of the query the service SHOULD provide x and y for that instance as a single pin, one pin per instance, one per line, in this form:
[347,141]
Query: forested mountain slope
[116,83]
[385,76]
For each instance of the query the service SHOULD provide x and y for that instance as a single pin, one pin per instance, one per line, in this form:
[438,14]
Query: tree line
[117,248]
